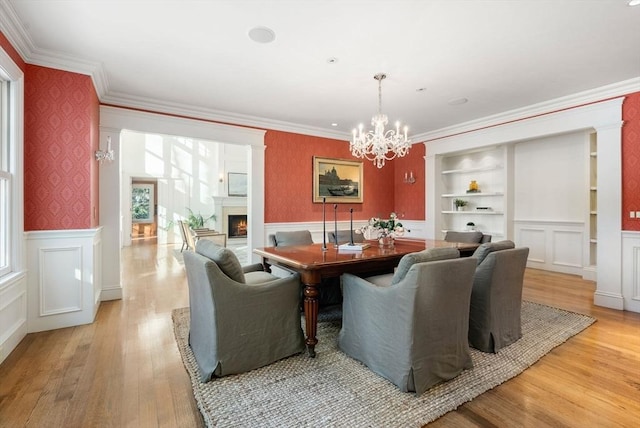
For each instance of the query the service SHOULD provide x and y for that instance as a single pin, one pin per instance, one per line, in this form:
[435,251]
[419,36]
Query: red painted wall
[289,186]
[631,161]
[410,198]
[61,134]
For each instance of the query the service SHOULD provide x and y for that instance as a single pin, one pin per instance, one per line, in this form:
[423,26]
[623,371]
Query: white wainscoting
[64,281]
[631,270]
[13,312]
[553,245]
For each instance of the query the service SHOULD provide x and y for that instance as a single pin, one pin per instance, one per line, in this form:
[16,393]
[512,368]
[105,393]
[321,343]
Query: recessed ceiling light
[457,101]
[262,35]
[332,60]
[633,2]
[334,124]
[421,89]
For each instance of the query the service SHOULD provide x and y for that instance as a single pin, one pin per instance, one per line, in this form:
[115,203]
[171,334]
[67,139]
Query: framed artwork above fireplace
[237,183]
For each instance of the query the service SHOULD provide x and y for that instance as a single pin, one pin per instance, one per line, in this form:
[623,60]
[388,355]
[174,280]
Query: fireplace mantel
[225,205]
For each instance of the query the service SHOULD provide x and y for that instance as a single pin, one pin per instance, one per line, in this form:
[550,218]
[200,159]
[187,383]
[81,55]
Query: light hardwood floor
[124,370]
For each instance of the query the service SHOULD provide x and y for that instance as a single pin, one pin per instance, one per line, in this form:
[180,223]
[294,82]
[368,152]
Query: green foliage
[390,225]
[197,221]
[460,202]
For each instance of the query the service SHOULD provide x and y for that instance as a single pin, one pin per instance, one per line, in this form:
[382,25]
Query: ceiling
[195,57]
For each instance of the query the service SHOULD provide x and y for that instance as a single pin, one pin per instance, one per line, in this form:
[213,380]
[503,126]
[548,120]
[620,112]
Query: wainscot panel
[63,285]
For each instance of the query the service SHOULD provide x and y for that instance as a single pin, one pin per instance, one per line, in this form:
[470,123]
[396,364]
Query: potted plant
[460,204]
[197,221]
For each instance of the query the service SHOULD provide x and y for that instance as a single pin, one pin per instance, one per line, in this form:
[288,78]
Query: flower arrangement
[380,228]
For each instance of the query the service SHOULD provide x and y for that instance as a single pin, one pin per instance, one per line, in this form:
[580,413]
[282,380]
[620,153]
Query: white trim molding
[553,245]
[631,270]
[63,285]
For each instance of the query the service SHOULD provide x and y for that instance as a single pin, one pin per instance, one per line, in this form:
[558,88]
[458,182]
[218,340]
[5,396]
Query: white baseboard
[111,293]
[608,300]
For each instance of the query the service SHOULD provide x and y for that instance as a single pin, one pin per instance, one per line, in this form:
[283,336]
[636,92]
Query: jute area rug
[335,390]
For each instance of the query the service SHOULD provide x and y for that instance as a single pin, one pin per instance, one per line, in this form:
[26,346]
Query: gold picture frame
[337,181]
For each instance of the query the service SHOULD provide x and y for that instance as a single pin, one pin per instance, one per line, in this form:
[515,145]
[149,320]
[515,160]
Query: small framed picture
[237,183]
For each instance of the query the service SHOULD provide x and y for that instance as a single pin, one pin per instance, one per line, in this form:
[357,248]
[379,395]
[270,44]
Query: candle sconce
[409,177]
[105,155]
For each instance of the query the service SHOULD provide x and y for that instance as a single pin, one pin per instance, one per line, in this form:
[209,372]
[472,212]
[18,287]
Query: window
[142,204]
[11,173]
[5,181]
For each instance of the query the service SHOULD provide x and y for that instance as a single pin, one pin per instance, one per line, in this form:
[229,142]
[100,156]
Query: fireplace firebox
[237,226]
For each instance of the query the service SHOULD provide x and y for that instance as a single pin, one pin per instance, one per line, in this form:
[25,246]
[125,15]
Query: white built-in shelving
[486,207]
[593,200]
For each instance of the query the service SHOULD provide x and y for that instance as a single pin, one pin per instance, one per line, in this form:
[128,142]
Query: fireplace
[237,226]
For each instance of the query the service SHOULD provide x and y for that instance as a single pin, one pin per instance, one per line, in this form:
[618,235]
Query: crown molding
[19,38]
[571,101]
[14,31]
[176,109]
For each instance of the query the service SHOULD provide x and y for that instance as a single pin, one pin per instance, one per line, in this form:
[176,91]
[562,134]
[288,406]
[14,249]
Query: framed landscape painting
[237,184]
[337,180]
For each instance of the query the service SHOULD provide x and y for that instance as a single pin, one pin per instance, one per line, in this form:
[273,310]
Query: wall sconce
[409,178]
[105,155]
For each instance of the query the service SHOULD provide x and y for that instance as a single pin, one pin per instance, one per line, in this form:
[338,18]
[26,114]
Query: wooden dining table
[314,262]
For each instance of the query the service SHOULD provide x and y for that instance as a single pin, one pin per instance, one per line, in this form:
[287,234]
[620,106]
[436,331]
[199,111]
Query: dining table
[314,262]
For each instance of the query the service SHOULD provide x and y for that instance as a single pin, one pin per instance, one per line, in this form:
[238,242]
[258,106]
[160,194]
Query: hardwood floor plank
[124,370]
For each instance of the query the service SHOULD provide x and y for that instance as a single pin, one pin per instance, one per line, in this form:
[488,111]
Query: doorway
[144,221]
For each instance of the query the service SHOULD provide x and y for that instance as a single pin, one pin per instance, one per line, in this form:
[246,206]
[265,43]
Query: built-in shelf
[472,170]
[593,200]
[474,194]
[461,172]
[474,212]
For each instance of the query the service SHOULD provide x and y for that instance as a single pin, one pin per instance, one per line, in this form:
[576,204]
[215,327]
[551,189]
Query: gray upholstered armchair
[473,237]
[496,300]
[413,332]
[293,237]
[241,318]
[344,236]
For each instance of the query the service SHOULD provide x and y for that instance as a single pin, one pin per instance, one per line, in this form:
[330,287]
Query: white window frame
[11,170]
[5,181]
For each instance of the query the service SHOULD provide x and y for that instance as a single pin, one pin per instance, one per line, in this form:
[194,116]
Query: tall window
[5,181]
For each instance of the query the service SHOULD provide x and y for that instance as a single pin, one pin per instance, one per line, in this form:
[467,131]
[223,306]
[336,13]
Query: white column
[255,199]
[431,199]
[609,223]
[110,217]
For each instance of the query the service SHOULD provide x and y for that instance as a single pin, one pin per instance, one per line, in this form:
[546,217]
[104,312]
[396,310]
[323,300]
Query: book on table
[353,247]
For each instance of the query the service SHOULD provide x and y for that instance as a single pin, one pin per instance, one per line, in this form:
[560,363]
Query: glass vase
[385,241]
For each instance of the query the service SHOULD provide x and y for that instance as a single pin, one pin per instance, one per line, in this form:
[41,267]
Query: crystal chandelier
[379,145]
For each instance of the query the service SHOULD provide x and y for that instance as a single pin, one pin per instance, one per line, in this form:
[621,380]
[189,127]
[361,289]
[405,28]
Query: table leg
[311,316]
